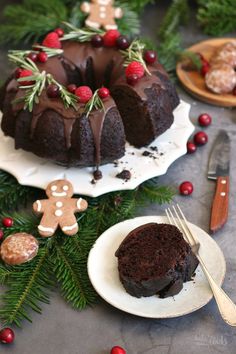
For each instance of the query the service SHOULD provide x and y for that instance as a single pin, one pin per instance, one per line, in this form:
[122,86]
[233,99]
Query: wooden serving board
[194,82]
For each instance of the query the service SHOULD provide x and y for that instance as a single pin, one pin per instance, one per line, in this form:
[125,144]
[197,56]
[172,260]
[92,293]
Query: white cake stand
[33,171]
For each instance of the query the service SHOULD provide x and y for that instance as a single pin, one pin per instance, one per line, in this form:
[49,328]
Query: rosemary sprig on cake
[51,52]
[95,103]
[80,34]
[135,53]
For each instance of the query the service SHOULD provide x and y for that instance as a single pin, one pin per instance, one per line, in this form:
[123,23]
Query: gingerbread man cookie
[59,209]
[101,14]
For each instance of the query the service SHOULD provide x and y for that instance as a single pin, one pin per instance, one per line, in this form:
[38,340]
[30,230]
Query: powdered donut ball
[221,78]
[19,248]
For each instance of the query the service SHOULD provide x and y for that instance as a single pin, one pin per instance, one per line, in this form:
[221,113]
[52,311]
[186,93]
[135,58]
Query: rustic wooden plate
[193,81]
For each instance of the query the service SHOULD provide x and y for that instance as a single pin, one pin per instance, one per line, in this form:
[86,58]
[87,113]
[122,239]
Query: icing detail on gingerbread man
[59,209]
[101,14]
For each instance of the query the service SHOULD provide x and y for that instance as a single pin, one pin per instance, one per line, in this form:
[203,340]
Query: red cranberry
[204,120]
[72,88]
[205,67]
[59,32]
[117,350]
[122,42]
[7,336]
[103,93]
[150,56]
[52,91]
[191,147]
[200,138]
[17,73]
[1,234]
[42,57]
[186,188]
[7,222]
[35,47]
[132,79]
[97,41]
[32,56]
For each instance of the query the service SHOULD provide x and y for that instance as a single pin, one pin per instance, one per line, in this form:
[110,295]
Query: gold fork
[225,305]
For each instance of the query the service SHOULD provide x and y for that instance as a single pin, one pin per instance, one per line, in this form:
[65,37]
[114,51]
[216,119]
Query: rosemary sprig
[67,97]
[94,103]
[135,53]
[80,34]
[22,54]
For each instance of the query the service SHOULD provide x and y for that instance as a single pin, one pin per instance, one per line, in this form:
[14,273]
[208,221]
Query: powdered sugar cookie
[221,78]
[19,248]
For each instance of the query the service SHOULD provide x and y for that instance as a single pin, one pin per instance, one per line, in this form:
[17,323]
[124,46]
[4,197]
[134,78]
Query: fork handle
[226,306]
[220,206]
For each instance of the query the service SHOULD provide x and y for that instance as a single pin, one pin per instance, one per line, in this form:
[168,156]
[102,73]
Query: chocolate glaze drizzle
[76,56]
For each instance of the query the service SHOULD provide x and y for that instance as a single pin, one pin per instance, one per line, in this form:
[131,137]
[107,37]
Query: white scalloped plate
[103,274]
[33,171]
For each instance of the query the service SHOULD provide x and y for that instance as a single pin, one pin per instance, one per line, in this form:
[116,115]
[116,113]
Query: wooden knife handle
[220,206]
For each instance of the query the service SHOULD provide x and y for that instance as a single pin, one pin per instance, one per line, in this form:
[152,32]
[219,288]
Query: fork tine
[170,217]
[186,223]
[183,226]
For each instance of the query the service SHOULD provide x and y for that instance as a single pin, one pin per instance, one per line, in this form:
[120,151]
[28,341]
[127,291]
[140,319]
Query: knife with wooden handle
[218,170]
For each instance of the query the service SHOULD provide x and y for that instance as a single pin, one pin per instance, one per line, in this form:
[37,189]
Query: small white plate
[103,274]
[31,170]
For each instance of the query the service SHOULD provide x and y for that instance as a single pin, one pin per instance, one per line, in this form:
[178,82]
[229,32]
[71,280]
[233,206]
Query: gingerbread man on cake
[101,14]
[59,209]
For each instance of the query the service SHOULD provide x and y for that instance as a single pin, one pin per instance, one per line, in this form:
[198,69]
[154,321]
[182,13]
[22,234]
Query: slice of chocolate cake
[155,259]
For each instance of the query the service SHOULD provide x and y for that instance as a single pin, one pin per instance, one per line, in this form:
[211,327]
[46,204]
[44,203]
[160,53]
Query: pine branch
[168,52]
[217,17]
[151,192]
[30,20]
[177,14]
[137,5]
[27,287]
[12,194]
[70,270]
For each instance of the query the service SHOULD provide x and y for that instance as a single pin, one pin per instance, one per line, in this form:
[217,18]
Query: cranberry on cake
[76,101]
[154,259]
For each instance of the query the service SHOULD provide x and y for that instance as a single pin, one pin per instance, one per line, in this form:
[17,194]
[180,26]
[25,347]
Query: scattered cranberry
[110,38]
[191,147]
[186,188]
[1,235]
[25,73]
[42,57]
[17,73]
[59,31]
[205,67]
[204,120]
[122,42]
[32,56]
[72,88]
[7,336]
[84,94]
[136,68]
[53,91]
[103,93]
[117,350]
[200,138]
[7,222]
[150,56]
[234,91]
[132,79]
[97,41]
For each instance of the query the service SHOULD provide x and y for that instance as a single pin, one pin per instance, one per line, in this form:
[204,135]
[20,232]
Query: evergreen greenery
[217,16]
[62,260]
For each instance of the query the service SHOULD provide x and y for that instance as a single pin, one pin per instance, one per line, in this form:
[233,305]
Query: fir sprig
[95,103]
[62,258]
[135,53]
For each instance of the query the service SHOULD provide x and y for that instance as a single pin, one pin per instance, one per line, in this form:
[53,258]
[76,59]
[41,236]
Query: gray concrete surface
[61,330]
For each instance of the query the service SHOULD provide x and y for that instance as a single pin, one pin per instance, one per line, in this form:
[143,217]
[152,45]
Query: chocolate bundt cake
[136,113]
[155,259]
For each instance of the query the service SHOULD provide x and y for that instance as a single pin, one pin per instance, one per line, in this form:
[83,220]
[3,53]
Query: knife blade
[218,170]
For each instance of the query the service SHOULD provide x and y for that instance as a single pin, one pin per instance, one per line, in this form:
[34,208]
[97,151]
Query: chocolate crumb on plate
[125,174]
